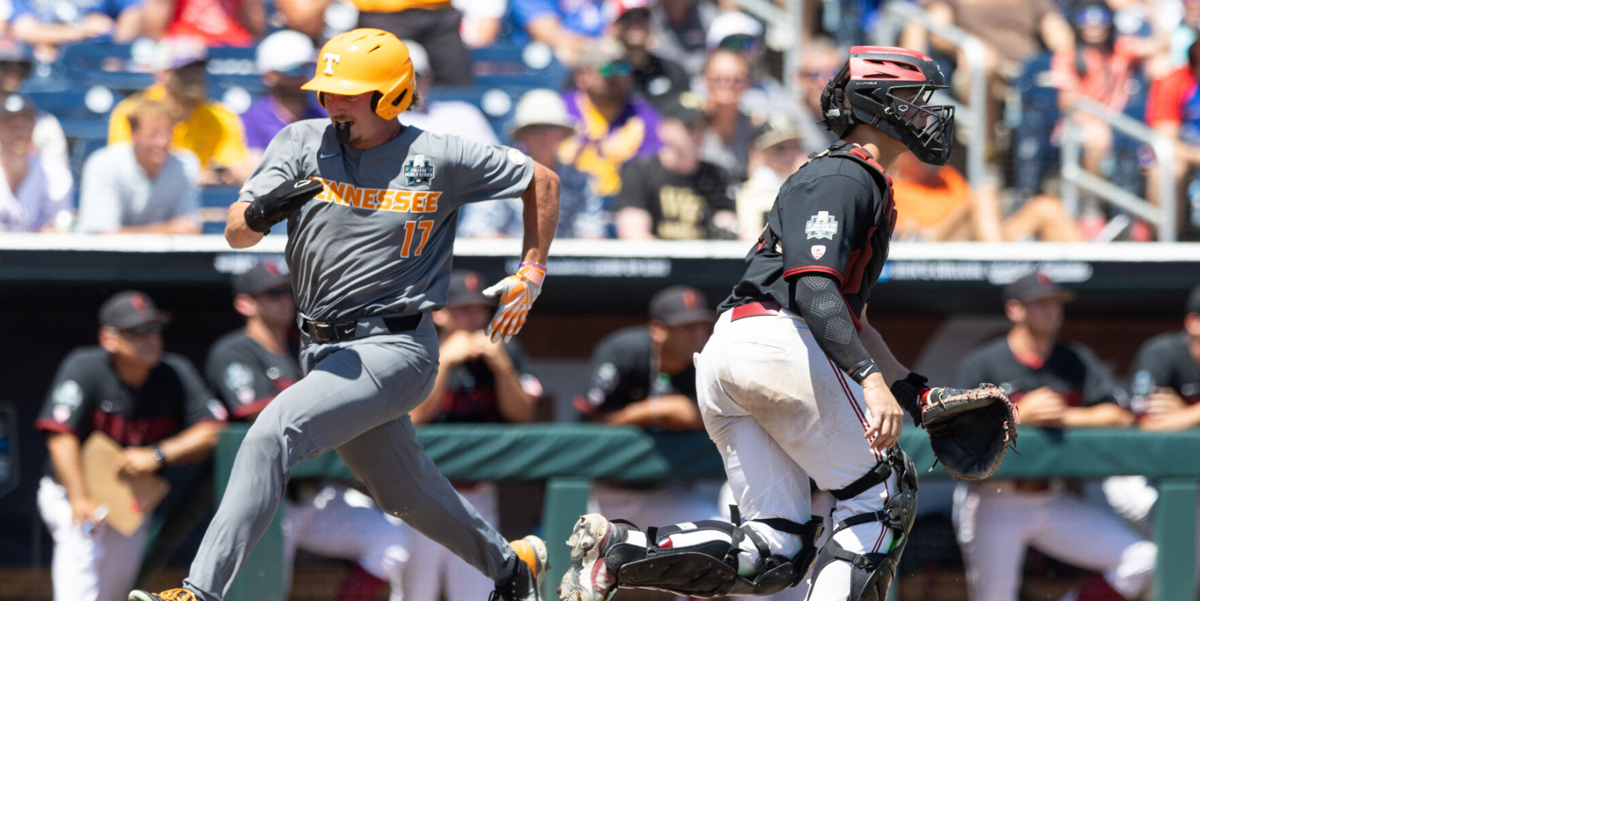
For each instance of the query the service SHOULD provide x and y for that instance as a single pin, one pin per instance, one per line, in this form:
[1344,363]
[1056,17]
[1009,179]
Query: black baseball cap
[126,310]
[466,289]
[677,305]
[684,108]
[1037,287]
[267,275]
[1194,301]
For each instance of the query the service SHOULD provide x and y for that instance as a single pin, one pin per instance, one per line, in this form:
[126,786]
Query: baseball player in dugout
[1055,384]
[153,404]
[371,207]
[250,366]
[644,376]
[795,382]
[479,381]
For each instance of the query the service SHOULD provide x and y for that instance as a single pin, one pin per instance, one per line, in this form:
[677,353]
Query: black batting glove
[276,206]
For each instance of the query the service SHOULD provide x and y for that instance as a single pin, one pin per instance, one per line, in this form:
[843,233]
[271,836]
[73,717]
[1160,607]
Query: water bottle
[1139,400]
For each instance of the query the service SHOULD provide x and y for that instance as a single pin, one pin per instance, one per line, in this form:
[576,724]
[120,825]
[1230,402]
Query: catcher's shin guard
[872,572]
[702,559]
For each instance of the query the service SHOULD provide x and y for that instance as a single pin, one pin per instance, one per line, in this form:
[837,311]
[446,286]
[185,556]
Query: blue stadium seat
[101,63]
[214,204]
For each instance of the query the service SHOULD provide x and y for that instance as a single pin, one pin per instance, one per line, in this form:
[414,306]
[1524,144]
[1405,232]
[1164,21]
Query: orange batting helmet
[366,61]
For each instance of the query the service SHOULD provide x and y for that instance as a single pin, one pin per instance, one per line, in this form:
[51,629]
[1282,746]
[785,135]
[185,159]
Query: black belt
[323,331]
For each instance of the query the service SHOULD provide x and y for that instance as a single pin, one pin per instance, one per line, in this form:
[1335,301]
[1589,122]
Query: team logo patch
[238,377]
[517,158]
[605,375]
[817,251]
[68,395]
[822,226]
[216,409]
[418,171]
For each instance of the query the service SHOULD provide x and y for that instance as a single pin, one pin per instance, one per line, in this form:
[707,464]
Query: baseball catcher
[794,384]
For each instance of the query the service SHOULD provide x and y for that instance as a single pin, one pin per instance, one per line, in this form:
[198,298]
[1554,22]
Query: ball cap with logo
[678,305]
[268,275]
[126,310]
[466,289]
[1037,287]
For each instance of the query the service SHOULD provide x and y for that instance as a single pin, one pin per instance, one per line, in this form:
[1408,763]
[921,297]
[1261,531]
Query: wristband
[537,281]
[863,370]
[161,457]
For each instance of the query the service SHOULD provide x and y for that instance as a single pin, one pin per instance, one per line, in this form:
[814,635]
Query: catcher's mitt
[969,429]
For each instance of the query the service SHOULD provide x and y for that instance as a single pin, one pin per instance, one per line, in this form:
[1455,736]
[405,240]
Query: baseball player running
[372,207]
[794,380]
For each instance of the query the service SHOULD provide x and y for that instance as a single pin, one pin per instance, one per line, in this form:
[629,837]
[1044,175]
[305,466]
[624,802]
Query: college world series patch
[822,226]
[418,171]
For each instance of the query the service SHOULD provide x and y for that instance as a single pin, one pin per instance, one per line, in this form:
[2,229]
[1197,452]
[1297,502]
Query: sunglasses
[142,330]
[727,81]
[740,42]
[277,294]
[615,69]
[818,75]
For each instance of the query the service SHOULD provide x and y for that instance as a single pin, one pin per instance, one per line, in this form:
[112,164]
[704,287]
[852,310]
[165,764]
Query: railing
[570,456]
[1075,178]
[892,16]
[783,31]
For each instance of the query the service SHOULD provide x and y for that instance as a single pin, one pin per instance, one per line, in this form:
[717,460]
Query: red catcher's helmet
[888,88]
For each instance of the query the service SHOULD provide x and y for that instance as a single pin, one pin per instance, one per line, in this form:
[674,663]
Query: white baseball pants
[342,521]
[995,523]
[433,571]
[781,413]
[101,565]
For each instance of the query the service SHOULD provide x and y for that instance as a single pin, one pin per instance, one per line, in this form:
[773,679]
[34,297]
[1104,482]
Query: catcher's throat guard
[889,88]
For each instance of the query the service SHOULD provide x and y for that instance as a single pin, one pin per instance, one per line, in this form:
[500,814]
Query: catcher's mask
[888,88]
[362,61]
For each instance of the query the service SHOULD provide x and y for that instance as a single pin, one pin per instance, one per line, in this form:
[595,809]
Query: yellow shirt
[397,5]
[212,132]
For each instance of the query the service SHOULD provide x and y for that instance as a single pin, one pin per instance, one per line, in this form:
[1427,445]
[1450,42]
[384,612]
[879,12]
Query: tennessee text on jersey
[363,198]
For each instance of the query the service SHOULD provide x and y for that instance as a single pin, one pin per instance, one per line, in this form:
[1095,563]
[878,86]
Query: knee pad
[702,558]
[872,572]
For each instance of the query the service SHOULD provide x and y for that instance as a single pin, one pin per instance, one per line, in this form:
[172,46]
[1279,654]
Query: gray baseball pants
[355,399]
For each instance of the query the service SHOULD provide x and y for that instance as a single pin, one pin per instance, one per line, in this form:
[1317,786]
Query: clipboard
[128,501]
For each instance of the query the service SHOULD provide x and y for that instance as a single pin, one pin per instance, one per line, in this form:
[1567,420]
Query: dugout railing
[570,456]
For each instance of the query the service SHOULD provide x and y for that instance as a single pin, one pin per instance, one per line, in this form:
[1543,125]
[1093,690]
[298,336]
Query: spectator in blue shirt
[47,24]
[565,26]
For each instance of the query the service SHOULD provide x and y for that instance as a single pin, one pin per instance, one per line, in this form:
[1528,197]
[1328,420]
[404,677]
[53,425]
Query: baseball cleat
[179,594]
[528,583]
[588,579]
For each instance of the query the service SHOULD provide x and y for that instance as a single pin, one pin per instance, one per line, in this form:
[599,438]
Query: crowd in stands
[147,115]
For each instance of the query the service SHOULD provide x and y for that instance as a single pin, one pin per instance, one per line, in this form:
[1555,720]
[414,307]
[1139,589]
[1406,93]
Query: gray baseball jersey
[377,240]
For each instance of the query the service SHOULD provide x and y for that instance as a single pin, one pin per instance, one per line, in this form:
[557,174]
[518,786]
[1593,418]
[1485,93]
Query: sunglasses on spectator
[740,42]
[15,66]
[141,330]
[276,294]
[615,69]
[727,81]
[818,75]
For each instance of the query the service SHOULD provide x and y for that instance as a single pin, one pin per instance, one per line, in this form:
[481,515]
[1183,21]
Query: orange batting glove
[517,294]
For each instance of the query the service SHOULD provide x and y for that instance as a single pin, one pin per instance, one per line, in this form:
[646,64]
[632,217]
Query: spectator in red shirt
[219,23]
[1174,111]
[1101,68]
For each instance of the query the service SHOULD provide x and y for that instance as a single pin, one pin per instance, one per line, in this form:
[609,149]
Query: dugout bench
[570,455]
